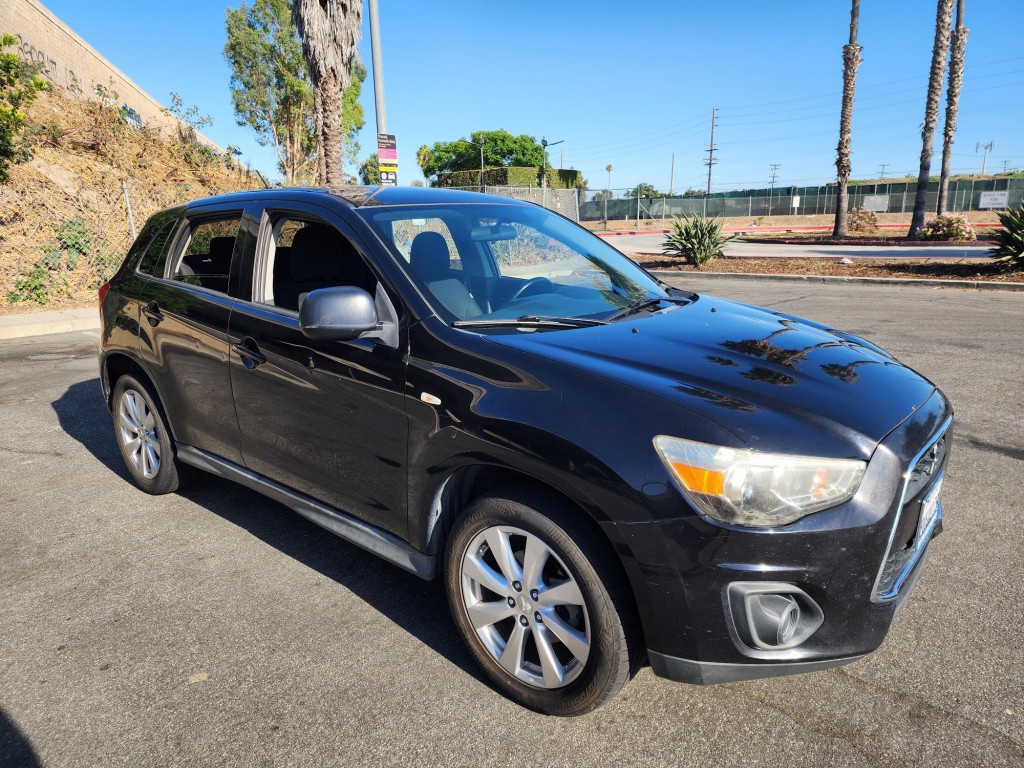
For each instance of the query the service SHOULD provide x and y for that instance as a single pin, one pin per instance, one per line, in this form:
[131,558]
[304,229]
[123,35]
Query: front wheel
[540,603]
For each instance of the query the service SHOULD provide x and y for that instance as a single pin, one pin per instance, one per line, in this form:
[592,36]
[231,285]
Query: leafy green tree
[501,149]
[272,91]
[19,85]
[352,117]
[270,87]
[604,194]
[369,171]
[643,190]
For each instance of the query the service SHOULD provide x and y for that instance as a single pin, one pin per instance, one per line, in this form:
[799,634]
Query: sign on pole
[387,159]
[994,199]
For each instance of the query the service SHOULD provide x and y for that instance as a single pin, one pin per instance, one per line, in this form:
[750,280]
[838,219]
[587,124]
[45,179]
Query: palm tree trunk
[957,44]
[943,18]
[851,60]
[329,30]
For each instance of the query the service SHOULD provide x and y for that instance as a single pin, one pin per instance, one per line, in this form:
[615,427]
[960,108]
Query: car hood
[775,381]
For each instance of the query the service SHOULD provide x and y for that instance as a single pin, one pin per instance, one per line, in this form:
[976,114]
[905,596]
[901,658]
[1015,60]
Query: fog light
[773,615]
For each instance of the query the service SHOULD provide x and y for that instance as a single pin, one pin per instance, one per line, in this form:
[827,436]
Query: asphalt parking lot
[218,628]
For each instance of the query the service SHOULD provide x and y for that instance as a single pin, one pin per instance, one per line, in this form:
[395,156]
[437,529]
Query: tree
[19,84]
[329,30]
[501,149]
[369,171]
[604,194]
[270,85]
[851,61]
[352,117]
[643,190]
[957,46]
[943,18]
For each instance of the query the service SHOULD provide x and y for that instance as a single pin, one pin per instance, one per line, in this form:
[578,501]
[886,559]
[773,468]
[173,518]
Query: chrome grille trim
[907,562]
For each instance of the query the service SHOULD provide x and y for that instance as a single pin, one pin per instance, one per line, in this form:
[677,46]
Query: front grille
[905,546]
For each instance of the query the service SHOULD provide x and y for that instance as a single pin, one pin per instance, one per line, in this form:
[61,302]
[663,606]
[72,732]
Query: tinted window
[206,259]
[155,258]
[303,256]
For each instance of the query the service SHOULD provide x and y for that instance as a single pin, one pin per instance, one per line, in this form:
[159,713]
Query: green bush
[19,84]
[860,220]
[950,227]
[698,239]
[1010,239]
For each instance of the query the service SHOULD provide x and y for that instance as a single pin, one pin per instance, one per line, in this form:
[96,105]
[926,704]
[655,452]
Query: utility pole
[609,194]
[672,175]
[378,68]
[711,148]
[988,148]
[1005,163]
[881,176]
[771,190]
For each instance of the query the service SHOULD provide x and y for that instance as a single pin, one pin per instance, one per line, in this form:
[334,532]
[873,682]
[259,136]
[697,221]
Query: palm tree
[851,60]
[943,17]
[329,30]
[957,44]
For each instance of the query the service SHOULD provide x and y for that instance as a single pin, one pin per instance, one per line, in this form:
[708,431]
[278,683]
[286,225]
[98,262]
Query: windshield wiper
[642,304]
[531,321]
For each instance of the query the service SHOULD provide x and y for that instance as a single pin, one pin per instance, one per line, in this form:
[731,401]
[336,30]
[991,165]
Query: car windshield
[494,262]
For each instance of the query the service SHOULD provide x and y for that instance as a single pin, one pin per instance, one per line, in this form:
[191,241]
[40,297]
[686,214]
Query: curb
[45,323]
[981,285]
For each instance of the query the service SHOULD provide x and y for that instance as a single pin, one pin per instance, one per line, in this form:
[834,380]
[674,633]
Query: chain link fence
[881,198]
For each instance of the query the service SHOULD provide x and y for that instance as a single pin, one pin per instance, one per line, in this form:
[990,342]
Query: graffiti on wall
[63,75]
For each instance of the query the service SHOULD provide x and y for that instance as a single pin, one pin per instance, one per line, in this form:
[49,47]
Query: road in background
[735,248]
[216,627]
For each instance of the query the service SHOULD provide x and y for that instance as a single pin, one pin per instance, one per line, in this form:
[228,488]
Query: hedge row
[511,177]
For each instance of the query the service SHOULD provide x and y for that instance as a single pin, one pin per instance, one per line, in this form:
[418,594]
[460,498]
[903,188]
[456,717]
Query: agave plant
[698,239]
[1010,239]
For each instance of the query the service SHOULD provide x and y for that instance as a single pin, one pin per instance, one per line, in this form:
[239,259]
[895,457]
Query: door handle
[153,313]
[250,353]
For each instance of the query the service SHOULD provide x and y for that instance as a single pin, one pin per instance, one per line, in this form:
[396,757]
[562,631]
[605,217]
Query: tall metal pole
[481,164]
[711,148]
[378,68]
[672,175]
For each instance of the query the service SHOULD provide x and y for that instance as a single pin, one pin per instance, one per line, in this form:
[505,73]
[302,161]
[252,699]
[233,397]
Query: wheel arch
[116,364]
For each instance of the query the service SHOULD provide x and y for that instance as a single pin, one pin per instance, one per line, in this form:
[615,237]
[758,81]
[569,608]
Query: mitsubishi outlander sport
[604,471]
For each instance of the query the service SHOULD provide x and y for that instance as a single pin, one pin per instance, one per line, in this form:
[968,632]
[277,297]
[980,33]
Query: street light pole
[544,143]
[479,142]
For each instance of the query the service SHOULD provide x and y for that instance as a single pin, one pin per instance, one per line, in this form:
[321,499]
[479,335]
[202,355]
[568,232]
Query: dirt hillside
[64,222]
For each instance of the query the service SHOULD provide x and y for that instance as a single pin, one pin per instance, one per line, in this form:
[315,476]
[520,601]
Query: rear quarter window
[155,258]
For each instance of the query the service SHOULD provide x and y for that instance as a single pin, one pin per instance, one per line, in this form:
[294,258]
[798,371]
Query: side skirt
[381,543]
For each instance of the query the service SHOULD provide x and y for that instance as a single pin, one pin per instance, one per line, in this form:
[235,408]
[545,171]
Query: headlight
[744,487]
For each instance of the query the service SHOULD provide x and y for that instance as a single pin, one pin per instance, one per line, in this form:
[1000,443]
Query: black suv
[603,469]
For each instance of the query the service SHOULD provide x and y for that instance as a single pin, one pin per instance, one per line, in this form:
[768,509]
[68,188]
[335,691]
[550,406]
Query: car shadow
[417,606]
[15,748]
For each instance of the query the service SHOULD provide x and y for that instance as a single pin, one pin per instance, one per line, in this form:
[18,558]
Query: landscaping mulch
[904,268]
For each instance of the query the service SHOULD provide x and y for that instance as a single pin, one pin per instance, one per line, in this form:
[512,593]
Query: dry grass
[83,158]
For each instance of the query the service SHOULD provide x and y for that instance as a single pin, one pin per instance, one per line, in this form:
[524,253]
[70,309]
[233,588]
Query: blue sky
[624,84]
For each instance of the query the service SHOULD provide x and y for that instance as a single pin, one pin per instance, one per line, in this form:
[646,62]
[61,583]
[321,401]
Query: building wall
[67,60]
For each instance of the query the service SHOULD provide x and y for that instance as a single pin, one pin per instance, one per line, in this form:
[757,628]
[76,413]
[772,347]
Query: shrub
[860,220]
[19,84]
[1010,239]
[698,239]
[951,227]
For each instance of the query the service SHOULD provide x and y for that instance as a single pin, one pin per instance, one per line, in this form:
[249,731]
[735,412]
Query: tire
[145,442]
[539,599]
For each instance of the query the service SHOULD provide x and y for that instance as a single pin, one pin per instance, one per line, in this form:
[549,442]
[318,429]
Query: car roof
[359,197]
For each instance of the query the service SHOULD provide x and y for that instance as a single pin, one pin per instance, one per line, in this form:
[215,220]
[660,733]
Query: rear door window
[205,258]
[154,261]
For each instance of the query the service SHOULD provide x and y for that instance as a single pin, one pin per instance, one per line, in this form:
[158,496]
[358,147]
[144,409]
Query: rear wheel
[538,599]
[143,438]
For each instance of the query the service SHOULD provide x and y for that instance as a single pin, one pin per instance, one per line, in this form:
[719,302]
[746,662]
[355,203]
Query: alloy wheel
[526,607]
[139,436]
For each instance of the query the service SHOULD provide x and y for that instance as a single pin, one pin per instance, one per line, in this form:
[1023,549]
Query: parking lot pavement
[218,628]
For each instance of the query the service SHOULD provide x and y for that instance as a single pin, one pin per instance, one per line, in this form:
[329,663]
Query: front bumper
[682,570]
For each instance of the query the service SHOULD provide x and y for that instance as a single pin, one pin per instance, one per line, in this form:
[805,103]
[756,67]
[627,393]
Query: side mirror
[340,313]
